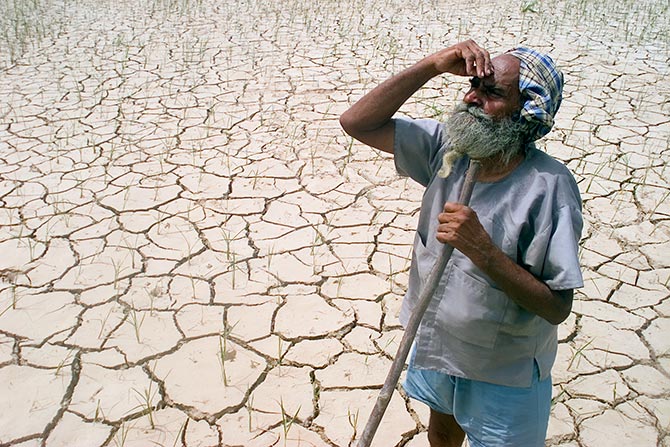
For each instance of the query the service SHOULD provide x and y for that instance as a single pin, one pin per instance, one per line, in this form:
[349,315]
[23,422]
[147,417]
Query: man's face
[498,94]
[482,126]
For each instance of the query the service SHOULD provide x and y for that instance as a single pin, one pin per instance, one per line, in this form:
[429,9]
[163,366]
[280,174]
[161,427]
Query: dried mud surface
[193,253]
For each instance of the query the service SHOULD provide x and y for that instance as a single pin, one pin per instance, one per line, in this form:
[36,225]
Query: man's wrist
[426,68]
[489,258]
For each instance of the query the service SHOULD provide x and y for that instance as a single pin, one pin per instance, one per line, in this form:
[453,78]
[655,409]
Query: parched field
[192,252]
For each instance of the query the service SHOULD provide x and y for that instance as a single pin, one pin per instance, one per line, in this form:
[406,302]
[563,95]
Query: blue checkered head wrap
[541,87]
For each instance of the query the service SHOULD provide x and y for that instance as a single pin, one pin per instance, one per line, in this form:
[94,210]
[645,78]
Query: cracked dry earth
[193,253]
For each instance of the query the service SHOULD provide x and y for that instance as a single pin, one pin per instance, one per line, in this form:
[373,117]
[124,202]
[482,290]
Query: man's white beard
[472,132]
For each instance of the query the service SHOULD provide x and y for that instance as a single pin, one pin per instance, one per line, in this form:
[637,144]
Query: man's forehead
[506,72]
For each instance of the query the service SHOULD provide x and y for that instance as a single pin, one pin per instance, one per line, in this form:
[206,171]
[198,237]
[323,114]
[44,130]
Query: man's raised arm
[369,119]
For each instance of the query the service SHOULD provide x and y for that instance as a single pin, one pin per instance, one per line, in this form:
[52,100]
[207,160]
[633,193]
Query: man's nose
[472,97]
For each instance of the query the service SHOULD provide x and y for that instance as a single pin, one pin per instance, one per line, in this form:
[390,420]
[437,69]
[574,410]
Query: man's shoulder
[545,163]
[417,147]
[553,175]
[405,123]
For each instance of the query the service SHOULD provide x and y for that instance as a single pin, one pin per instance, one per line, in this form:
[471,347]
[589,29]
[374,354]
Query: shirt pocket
[500,235]
[424,261]
[471,310]
[519,323]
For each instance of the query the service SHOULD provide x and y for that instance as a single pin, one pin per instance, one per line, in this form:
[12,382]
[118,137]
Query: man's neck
[494,169]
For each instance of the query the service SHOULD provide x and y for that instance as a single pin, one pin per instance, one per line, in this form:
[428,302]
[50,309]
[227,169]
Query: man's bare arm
[460,227]
[369,119]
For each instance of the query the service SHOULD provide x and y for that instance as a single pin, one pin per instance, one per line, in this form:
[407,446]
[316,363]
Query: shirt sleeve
[417,148]
[555,251]
[551,207]
[561,263]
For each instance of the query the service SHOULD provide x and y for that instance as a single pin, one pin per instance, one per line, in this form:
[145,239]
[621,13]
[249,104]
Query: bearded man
[486,345]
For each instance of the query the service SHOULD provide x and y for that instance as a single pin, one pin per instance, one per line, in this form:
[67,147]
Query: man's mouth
[478,113]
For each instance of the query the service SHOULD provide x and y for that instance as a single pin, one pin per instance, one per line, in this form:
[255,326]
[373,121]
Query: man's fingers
[454,215]
[483,62]
[464,59]
[470,58]
[489,66]
[477,60]
[445,233]
[452,207]
[444,237]
[470,65]
[470,69]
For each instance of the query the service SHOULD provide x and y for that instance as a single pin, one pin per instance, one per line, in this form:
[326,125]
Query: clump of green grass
[224,354]
[146,397]
[353,422]
[24,24]
[287,420]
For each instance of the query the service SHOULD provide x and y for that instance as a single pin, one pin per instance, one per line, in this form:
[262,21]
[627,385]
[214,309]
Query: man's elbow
[380,137]
[559,317]
[564,307]
[348,123]
[352,127]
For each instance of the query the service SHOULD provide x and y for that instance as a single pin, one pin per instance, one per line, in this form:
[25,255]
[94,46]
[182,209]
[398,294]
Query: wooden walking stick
[414,320]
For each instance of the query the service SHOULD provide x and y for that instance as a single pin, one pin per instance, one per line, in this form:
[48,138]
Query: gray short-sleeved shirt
[471,328]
